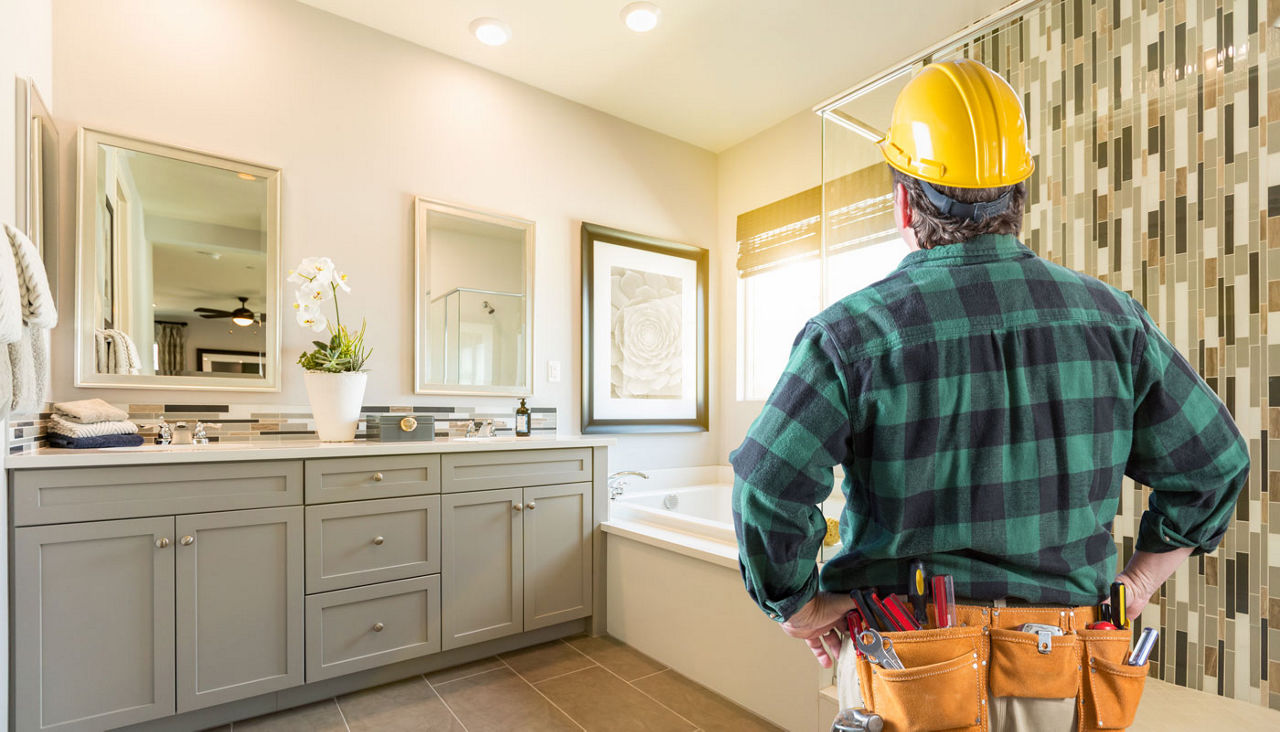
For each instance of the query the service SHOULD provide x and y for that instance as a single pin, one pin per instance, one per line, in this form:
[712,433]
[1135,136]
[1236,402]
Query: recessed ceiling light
[641,17]
[491,31]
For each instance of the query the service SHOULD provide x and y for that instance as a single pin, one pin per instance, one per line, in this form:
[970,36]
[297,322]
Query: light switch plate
[553,371]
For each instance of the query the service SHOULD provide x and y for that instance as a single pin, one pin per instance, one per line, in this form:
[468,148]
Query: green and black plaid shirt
[984,404]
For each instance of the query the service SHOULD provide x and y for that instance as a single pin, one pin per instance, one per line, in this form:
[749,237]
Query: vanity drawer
[478,471]
[351,479]
[350,544]
[361,628]
[64,495]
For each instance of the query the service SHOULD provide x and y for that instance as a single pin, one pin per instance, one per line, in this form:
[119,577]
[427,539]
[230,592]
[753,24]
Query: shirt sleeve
[783,471]
[1186,447]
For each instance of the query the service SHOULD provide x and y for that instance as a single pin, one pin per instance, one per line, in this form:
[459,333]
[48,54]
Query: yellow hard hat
[958,123]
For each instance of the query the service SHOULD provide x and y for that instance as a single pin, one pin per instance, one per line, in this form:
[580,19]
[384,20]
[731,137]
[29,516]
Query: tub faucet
[618,481]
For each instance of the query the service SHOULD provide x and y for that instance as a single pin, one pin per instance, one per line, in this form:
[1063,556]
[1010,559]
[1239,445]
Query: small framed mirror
[177,268]
[473,301]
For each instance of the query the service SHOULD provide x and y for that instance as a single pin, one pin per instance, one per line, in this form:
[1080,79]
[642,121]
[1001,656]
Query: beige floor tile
[405,706]
[498,701]
[710,711]
[545,661]
[616,656]
[466,669]
[322,716]
[601,702]
[223,728]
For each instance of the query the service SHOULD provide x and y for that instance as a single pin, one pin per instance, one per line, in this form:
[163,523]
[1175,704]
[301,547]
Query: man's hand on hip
[818,619]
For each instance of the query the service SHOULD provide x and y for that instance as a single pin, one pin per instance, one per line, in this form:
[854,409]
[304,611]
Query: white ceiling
[713,73]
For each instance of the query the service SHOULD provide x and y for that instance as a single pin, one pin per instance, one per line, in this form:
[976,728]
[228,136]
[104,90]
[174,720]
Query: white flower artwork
[645,335]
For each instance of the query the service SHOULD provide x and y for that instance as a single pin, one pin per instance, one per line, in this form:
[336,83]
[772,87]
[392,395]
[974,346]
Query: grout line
[448,708]
[341,714]
[566,673]
[655,673]
[655,699]
[460,678]
[544,696]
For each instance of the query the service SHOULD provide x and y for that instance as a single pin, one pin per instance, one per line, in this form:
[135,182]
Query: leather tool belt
[950,673]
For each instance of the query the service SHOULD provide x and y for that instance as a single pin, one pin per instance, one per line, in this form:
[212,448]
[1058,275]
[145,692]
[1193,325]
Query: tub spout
[618,481]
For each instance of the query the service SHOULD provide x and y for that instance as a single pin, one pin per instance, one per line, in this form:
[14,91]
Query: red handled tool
[944,600]
[863,605]
[899,613]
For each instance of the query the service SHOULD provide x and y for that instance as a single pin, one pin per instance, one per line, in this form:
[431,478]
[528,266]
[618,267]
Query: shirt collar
[978,250]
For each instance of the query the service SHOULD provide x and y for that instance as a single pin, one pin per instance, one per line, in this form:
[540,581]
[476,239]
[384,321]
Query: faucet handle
[198,435]
[164,433]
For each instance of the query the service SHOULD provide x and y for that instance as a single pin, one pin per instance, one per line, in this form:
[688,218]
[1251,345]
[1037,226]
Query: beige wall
[781,161]
[360,122]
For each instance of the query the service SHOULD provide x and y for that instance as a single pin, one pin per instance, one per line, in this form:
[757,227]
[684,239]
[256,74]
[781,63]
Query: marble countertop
[284,450]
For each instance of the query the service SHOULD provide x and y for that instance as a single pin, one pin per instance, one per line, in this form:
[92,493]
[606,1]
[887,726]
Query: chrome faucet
[618,481]
[480,428]
[164,433]
[181,432]
[198,435]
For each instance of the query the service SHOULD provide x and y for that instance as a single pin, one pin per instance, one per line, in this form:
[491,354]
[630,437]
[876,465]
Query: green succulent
[344,352]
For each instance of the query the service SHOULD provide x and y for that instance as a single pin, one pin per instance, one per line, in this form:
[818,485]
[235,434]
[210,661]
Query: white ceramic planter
[335,403]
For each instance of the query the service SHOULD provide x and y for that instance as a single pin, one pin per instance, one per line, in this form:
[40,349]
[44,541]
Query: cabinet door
[557,554]
[93,624]
[481,573]
[240,604]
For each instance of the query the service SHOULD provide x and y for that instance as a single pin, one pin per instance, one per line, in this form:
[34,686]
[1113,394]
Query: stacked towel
[89,443]
[88,411]
[34,310]
[60,425]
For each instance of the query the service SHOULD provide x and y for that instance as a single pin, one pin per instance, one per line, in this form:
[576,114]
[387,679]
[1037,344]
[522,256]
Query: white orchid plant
[318,282]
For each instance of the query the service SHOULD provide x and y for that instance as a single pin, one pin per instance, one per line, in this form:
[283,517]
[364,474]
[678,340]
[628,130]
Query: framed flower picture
[644,333]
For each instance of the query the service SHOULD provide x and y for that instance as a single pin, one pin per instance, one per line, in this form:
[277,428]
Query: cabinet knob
[162,542]
[377,540]
[532,505]
[377,477]
[187,540]
[519,507]
[377,627]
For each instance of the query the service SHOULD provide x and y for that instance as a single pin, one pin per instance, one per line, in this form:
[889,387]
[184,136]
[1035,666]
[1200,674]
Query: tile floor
[579,683]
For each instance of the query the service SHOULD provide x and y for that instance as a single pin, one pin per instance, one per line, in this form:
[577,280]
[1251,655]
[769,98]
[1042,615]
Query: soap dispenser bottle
[522,420]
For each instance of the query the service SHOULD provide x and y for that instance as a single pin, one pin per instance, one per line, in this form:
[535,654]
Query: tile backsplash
[275,422]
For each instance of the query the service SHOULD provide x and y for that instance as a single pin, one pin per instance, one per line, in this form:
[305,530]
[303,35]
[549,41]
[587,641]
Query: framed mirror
[473,309]
[36,210]
[177,258]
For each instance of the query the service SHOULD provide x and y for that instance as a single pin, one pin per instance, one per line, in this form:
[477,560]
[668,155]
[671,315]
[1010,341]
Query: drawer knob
[377,627]
[519,507]
[532,505]
[377,477]
[187,540]
[377,540]
[162,542]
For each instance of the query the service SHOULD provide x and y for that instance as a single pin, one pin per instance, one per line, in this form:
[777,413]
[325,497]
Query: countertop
[286,450]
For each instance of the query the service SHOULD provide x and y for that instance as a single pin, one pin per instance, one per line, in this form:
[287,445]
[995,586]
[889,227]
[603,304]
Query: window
[773,306]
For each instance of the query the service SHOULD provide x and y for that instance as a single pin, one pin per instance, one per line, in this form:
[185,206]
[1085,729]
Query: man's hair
[935,230]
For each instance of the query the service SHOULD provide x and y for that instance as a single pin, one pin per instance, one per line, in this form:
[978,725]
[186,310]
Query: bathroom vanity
[182,588]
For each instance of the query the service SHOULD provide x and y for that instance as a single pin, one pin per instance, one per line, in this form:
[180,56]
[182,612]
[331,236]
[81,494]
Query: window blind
[859,208]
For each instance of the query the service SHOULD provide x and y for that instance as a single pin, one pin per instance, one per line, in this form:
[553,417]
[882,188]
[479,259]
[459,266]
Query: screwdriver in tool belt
[918,592]
[1119,602]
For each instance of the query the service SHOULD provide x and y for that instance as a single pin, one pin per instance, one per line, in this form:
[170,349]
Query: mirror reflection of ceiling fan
[241,316]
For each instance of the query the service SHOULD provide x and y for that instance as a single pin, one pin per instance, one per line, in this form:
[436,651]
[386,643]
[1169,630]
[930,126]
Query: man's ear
[901,209]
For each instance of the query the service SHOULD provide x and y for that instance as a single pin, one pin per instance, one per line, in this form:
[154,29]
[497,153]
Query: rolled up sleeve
[1186,447]
[783,471]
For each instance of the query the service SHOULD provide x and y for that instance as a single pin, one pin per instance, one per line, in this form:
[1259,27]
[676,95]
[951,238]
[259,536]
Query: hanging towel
[29,356]
[88,411]
[125,352]
[10,297]
[58,424]
[89,443]
[38,307]
[22,367]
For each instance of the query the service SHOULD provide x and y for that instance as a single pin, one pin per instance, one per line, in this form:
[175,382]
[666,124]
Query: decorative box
[402,427]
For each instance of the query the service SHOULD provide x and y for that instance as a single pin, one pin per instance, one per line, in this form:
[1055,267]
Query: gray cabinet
[363,542]
[514,559]
[366,627]
[239,604]
[482,555]
[557,554]
[93,624]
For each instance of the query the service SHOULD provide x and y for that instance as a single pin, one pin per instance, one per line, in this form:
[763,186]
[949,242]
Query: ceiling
[713,73]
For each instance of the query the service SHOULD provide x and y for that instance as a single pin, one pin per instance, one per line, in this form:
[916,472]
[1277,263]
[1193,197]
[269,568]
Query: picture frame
[223,361]
[644,333]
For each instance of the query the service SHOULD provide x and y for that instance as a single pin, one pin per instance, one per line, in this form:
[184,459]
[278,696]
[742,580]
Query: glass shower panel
[484,338]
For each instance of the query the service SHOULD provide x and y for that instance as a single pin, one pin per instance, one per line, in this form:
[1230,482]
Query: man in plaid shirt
[984,405]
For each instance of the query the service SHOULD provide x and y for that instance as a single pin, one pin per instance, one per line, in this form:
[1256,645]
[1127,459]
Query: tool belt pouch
[1019,667]
[1110,690]
[940,688]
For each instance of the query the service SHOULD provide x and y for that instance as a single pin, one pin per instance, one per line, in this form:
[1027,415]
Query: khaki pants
[983,674]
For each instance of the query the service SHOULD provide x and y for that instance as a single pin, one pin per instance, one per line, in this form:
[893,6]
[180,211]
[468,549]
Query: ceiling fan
[241,316]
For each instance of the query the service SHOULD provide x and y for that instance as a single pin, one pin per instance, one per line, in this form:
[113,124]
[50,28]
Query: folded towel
[73,429]
[38,308]
[88,411]
[86,443]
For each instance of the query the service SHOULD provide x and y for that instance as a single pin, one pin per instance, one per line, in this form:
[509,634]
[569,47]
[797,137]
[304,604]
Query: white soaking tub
[675,593]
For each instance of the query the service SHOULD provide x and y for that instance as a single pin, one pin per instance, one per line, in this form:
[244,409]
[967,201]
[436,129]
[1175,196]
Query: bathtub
[675,593]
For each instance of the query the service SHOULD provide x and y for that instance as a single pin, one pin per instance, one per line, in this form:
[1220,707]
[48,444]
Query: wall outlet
[553,371]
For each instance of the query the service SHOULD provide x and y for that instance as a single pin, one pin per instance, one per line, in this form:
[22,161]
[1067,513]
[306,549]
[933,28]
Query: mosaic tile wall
[274,422]
[1152,121]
